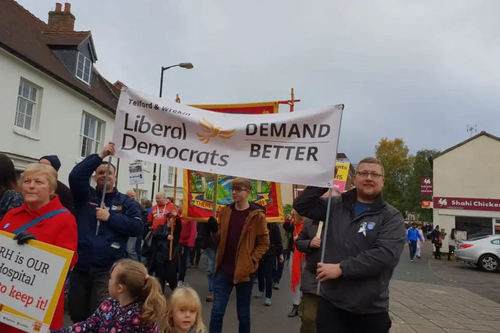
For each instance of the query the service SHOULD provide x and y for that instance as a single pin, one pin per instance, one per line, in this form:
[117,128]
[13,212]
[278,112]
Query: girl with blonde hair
[184,312]
[136,303]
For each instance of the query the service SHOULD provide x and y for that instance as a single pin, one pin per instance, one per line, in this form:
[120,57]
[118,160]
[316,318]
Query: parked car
[483,251]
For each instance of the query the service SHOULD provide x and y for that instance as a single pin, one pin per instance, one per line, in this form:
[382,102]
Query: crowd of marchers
[127,252]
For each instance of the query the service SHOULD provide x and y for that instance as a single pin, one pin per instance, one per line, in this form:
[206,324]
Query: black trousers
[437,253]
[330,319]
[265,275]
[195,254]
[86,293]
[166,271]
[186,250]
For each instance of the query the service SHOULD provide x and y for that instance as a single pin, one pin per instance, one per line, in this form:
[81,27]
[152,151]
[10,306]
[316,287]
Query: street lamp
[185,65]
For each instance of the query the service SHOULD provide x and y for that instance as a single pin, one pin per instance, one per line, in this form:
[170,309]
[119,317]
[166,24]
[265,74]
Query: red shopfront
[477,216]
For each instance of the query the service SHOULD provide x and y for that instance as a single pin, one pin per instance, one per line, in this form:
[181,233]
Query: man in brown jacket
[243,239]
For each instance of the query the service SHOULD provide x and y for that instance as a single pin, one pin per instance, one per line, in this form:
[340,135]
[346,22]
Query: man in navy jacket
[98,246]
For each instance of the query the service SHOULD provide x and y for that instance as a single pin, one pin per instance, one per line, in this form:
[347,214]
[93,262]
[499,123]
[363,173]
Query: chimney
[119,85]
[61,20]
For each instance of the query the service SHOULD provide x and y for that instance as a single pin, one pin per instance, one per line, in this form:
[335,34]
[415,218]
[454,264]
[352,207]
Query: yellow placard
[341,176]
[26,271]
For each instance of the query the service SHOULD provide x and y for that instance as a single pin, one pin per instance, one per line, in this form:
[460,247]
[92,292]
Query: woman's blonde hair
[185,298]
[45,170]
[142,288]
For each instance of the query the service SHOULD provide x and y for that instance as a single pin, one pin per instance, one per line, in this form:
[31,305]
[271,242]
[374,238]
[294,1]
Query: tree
[397,161]
[421,168]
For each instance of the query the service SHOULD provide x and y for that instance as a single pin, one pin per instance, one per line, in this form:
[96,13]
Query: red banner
[426,186]
[467,204]
[199,186]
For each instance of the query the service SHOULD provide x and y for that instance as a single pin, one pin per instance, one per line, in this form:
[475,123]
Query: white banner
[135,174]
[296,148]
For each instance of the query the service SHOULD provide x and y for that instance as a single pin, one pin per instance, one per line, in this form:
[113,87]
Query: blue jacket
[97,253]
[413,235]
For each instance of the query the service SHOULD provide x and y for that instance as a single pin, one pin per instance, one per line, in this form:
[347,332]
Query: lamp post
[185,65]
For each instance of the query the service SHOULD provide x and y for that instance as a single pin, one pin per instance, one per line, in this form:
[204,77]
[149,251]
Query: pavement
[427,296]
[432,295]
[426,308]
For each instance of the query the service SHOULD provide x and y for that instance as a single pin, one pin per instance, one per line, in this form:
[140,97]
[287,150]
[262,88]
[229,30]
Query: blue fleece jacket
[97,253]
[413,235]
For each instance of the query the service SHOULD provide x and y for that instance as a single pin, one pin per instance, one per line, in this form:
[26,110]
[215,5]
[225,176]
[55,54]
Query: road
[426,270]
[447,273]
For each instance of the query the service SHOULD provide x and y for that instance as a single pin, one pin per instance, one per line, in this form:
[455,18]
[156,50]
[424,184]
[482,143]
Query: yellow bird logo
[210,131]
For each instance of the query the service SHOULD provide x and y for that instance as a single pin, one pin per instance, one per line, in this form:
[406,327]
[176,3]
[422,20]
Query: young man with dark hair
[243,238]
[363,244]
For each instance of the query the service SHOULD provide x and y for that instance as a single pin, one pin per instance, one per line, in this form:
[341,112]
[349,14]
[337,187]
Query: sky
[420,70]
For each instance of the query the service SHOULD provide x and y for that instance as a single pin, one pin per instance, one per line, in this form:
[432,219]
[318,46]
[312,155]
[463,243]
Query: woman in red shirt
[39,183]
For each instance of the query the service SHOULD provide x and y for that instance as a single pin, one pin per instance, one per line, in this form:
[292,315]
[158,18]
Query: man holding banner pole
[362,243]
[103,231]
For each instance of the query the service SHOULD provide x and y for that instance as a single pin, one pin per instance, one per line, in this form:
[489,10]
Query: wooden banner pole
[214,199]
[291,102]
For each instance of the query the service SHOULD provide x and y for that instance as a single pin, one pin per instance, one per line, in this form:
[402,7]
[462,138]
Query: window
[497,227]
[26,106]
[496,241]
[170,179]
[83,68]
[475,226]
[91,135]
[142,194]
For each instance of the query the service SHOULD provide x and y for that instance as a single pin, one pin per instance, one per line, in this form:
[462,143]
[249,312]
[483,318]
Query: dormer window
[83,68]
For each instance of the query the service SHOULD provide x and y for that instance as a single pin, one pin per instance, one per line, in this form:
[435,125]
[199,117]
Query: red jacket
[59,230]
[188,233]
[158,214]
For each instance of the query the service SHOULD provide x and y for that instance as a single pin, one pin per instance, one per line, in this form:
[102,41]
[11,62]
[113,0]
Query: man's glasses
[239,189]
[365,174]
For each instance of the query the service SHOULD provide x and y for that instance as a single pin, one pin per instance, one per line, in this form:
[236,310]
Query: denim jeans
[413,249]
[134,248]
[223,286]
[210,269]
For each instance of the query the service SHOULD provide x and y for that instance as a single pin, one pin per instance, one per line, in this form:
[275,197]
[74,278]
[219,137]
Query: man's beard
[369,196]
[109,187]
